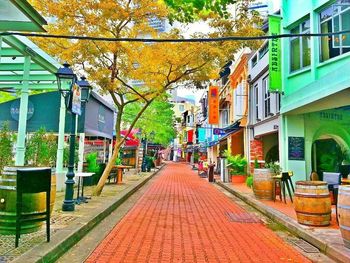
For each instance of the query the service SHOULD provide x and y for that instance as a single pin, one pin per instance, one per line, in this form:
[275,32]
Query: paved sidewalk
[67,228]
[183,218]
[327,239]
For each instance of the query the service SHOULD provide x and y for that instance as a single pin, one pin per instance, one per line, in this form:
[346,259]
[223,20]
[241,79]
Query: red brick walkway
[182,218]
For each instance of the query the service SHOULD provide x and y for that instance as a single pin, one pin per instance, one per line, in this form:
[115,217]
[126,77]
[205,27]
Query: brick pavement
[182,218]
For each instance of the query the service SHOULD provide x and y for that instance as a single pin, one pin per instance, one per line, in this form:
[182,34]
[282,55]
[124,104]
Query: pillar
[60,174]
[22,122]
[81,151]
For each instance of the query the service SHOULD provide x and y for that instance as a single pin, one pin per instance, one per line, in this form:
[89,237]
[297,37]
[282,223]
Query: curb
[291,225]
[63,241]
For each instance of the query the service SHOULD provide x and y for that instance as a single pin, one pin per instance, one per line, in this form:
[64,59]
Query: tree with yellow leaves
[111,66]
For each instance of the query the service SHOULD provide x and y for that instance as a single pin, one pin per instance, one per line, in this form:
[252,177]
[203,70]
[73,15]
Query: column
[22,122]
[81,151]
[60,147]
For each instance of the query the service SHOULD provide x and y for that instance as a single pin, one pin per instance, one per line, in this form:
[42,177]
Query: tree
[192,10]
[112,65]
[6,145]
[158,118]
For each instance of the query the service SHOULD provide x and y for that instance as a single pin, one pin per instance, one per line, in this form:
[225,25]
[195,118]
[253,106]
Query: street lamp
[74,95]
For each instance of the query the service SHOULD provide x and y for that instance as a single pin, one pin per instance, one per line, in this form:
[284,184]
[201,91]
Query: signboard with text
[296,148]
[213,101]
[217,131]
[76,100]
[275,66]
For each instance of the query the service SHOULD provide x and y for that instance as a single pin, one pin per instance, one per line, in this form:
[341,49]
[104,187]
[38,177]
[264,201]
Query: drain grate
[307,247]
[242,218]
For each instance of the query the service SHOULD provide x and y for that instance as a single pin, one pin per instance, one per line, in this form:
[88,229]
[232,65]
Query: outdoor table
[81,198]
[120,169]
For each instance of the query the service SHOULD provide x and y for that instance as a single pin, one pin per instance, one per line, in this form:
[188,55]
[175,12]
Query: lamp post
[74,95]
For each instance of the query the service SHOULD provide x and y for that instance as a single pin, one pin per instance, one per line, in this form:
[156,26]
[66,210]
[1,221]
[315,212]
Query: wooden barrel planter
[32,203]
[263,184]
[312,203]
[344,213]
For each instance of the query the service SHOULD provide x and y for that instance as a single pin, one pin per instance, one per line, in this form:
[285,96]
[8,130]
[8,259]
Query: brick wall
[256,151]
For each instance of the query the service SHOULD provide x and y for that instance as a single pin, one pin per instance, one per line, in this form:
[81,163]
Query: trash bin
[211,172]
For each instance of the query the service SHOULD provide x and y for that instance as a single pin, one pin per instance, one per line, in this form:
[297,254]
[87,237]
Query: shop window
[267,98]
[300,47]
[333,19]
[263,50]
[254,61]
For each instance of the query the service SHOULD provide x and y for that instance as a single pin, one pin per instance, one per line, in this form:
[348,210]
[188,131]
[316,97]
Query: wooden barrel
[312,203]
[31,203]
[263,184]
[344,213]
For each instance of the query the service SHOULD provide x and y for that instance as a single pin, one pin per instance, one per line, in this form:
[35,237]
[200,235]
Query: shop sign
[296,148]
[213,101]
[76,100]
[275,67]
[15,109]
[218,131]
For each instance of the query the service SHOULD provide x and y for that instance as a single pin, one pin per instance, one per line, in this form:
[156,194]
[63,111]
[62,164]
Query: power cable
[174,40]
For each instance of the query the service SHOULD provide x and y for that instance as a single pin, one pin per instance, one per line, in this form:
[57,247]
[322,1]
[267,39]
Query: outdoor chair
[32,181]
[113,175]
[286,182]
[333,181]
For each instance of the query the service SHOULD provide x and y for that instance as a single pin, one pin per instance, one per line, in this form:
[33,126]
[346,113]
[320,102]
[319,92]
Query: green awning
[19,15]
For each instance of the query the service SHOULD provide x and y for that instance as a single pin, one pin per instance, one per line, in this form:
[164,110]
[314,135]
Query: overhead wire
[174,40]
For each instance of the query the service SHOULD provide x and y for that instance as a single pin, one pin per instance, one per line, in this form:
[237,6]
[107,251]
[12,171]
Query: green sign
[275,67]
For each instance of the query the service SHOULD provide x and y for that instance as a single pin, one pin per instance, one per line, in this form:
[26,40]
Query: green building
[315,123]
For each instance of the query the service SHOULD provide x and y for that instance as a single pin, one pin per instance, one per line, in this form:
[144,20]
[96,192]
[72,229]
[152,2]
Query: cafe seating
[280,183]
[333,181]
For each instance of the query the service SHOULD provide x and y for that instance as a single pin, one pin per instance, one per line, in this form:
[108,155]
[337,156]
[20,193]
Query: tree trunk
[120,141]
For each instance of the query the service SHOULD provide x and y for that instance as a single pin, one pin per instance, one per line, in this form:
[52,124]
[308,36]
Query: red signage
[213,101]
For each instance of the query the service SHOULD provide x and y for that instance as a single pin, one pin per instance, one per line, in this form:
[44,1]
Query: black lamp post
[68,86]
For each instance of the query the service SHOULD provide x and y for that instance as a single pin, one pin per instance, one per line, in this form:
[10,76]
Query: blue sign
[218,131]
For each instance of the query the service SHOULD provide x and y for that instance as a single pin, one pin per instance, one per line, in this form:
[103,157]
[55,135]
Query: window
[335,18]
[300,47]
[256,98]
[263,50]
[267,98]
[181,107]
[254,61]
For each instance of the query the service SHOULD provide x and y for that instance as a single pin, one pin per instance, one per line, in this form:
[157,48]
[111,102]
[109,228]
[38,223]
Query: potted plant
[236,165]
[92,167]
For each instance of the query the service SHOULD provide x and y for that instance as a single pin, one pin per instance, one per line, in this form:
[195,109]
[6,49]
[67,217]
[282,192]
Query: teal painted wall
[319,80]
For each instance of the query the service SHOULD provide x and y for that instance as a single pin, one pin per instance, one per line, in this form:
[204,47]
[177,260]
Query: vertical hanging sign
[213,99]
[275,67]
[76,100]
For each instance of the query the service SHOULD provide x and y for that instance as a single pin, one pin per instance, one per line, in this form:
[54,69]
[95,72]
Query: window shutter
[260,100]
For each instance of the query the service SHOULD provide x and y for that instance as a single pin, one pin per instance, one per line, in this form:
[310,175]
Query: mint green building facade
[316,87]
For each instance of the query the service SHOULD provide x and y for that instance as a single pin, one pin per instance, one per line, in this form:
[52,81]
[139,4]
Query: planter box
[238,178]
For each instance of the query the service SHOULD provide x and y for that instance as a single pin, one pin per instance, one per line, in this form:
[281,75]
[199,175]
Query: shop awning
[233,128]
[19,15]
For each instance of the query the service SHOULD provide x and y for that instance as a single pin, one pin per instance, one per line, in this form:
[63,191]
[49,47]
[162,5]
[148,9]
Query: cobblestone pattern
[182,218]
[8,252]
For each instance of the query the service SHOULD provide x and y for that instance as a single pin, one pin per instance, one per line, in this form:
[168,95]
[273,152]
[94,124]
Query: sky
[203,27]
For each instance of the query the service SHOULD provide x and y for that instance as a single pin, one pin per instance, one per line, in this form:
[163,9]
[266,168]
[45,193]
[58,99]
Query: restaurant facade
[315,112]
